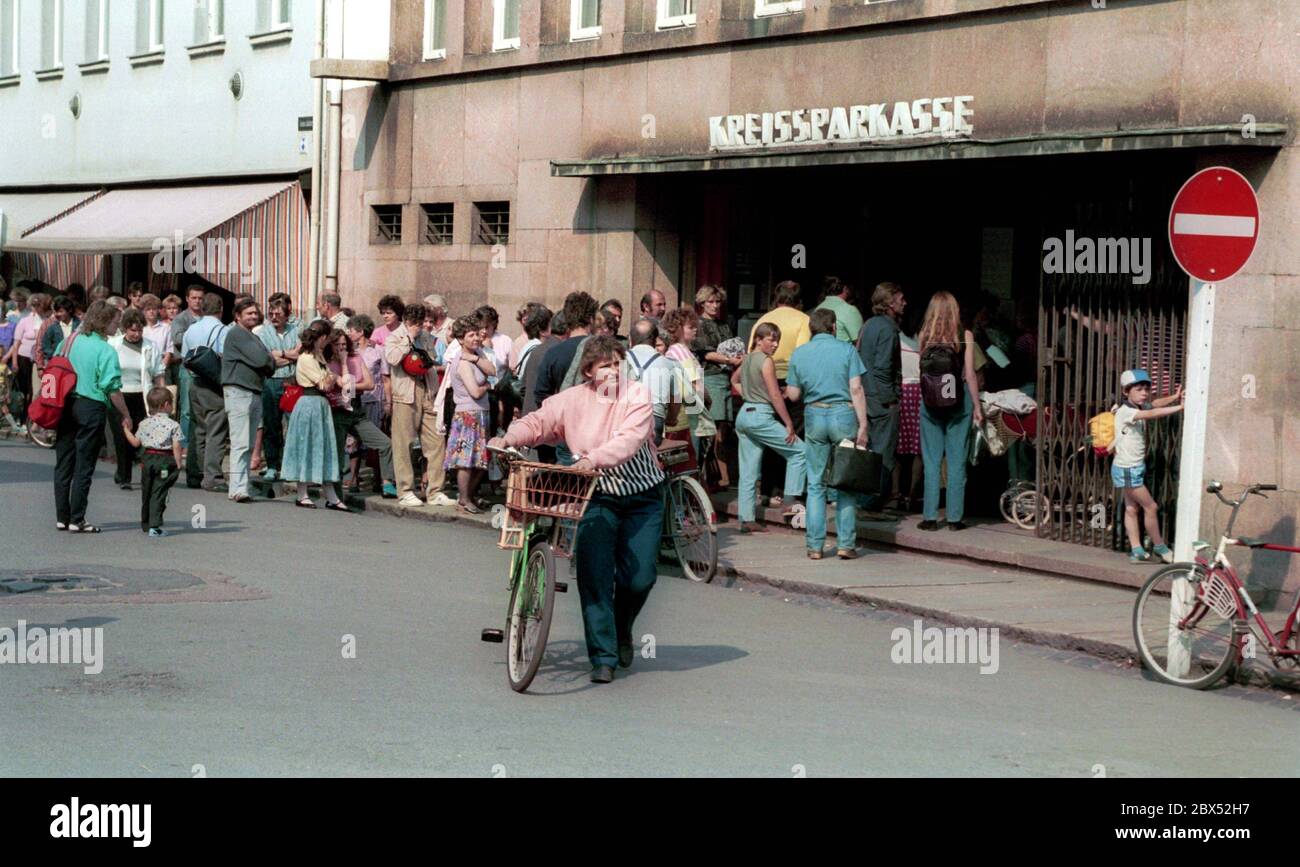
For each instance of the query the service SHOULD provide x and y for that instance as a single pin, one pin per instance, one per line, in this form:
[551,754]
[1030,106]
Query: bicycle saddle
[1251,542]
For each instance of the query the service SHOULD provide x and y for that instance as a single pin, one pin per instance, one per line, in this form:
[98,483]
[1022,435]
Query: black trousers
[80,437]
[158,474]
[23,381]
[123,449]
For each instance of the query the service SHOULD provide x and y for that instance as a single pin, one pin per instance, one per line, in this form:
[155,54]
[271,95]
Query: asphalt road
[244,673]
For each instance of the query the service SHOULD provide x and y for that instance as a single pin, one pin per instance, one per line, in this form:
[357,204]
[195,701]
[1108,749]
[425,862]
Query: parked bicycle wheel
[1200,634]
[43,437]
[532,603]
[695,537]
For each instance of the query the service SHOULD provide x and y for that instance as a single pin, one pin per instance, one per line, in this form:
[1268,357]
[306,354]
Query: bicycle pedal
[495,636]
[561,586]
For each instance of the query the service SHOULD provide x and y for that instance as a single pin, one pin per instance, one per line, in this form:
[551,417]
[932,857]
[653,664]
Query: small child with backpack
[1129,465]
[160,437]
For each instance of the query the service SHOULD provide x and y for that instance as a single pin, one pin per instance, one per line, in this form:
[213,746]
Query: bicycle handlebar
[1216,488]
[507,454]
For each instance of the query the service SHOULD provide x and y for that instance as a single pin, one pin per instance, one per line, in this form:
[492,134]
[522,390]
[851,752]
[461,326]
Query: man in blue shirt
[826,373]
[208,427]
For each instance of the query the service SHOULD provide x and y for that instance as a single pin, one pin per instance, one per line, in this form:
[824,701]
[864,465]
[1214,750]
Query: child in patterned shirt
[159,436]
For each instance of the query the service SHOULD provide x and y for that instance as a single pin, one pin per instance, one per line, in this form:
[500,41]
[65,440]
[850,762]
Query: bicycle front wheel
[43,437]
[1182,624]
[531,605]
[695,537]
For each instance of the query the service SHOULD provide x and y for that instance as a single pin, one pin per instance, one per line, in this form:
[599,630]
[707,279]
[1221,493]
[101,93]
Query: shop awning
[1266,135]
[139,220]
[22,212]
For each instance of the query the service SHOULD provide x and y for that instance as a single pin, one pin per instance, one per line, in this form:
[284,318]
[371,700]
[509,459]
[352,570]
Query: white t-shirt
[1130,437]
[139,366]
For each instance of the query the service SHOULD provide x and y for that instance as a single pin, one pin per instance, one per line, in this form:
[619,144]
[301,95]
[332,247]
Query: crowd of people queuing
[420,397]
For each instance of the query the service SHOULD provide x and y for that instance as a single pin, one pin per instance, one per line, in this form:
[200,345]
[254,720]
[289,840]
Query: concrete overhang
[1266,135]
[350,70]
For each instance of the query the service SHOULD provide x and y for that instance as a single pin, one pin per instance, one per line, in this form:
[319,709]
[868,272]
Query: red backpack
[58,380]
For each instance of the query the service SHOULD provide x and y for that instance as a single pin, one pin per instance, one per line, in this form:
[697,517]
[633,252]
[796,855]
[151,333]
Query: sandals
[469,508]
[305,504]
[241,498]
[83,528]
[340,506]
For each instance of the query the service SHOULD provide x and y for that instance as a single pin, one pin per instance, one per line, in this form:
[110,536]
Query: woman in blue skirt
[310,449]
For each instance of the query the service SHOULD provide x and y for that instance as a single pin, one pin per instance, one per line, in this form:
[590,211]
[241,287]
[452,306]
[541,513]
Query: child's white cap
[1133,377]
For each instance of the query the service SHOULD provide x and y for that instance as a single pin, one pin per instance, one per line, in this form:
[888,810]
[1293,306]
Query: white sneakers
[441,499]
[410,500]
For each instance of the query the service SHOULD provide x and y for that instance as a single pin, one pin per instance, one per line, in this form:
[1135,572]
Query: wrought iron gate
[1092,327]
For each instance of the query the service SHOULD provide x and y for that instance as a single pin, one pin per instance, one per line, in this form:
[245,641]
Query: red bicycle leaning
[1193,622]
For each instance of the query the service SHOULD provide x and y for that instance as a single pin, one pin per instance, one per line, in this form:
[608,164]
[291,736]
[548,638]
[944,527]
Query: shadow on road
[566,668]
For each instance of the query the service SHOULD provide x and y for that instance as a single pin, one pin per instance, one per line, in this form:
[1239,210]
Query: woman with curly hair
[682,325]
[310,450]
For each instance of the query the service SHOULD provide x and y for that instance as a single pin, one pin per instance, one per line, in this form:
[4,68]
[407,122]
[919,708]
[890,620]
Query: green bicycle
[544,504]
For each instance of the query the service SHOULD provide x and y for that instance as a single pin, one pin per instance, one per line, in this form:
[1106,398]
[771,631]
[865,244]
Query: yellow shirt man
[794,333]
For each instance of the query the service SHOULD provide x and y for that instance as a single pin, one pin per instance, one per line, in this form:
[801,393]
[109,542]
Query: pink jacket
[605,430]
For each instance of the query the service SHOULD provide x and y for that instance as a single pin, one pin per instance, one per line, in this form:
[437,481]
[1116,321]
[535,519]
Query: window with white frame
[209,21]
[148,26]
[51,34]
[274,15]
[676,13]
[505,24]
[8,37]
[584,20]
[776,7]
[96,30]
[435,29]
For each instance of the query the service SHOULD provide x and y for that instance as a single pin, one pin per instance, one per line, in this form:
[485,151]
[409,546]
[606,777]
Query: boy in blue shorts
[1129,466]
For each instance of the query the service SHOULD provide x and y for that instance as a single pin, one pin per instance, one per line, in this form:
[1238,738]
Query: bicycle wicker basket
[546,491]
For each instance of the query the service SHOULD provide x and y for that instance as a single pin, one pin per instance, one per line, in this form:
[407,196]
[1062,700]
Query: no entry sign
[1214,224]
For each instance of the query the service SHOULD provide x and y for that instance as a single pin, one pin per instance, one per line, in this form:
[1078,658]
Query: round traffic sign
[1214,224]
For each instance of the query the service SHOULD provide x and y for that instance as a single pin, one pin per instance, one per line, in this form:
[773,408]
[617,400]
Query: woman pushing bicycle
[608,424]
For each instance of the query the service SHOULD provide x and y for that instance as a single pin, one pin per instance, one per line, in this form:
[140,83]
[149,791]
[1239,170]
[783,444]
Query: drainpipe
[334,47]
[335,172]
[318,91]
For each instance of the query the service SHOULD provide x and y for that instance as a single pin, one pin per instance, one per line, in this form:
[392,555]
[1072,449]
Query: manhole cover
[97,580]
[74,583]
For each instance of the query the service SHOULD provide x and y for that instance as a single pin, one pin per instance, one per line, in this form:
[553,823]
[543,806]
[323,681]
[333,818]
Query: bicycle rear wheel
[695,537]
[532,603]
[1193,646]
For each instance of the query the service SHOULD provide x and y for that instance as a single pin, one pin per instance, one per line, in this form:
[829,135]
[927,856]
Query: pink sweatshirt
[605,431]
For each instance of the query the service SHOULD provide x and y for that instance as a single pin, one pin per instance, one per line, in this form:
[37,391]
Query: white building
[131,124]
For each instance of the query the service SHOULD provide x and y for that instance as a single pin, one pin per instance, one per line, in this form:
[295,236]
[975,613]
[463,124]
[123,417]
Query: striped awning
[146,219]
[249,237]
[21,213]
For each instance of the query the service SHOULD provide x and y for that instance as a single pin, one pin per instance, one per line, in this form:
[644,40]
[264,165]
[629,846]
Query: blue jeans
[757,426]
[183,380]
[617,553]
[823,427]
[946,434]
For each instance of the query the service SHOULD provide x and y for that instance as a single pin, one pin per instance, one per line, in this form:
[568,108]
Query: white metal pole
[1191,465]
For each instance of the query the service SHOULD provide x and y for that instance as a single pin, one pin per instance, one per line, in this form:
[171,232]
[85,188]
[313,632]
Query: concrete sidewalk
[1064,613]
[984,541]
